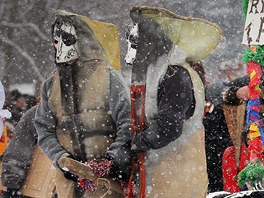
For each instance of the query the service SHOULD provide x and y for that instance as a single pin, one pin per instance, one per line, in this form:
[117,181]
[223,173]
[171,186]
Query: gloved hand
[231,97]
[11,193]
[122,162]
[72,167]
[70,176]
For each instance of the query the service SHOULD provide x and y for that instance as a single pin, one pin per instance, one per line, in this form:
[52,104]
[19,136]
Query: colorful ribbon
[253,108]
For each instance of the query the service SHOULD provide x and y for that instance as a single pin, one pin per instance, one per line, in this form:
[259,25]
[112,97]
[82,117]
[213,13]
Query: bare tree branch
[21,25]
[25,55]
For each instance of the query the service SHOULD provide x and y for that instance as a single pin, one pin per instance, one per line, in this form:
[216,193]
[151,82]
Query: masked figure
[84,106]
[173,139]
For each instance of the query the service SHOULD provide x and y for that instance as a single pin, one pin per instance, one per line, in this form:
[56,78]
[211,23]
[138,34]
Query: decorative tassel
[245,7]
[100,169]
[86,184]
[254,172]
[254,57]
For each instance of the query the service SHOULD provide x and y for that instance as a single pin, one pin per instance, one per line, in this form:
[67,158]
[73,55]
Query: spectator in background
[17,157]
[16,105]
[218,137]
[30,101]
[3,114]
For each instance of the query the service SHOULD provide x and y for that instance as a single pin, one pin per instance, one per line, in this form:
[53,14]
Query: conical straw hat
[196,37]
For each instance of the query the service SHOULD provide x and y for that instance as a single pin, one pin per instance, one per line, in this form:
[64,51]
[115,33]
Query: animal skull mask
[132,42]
[65,42]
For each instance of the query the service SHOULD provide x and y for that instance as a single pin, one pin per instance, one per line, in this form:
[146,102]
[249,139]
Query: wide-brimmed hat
[196,37]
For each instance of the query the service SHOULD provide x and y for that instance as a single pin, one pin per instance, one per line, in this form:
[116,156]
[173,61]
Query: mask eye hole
[133,41]
[55,41]
[68,39]
[134,46]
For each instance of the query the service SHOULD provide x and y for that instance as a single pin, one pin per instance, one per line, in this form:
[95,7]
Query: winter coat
[231,169]
[18,154]
[101,112]
[217,137]
[175,152]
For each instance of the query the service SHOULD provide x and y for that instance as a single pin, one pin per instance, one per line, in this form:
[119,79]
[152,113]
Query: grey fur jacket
[118,109]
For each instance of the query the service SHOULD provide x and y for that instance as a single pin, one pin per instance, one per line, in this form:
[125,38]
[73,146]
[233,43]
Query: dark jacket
[18,155]
[217,137]
[168,125]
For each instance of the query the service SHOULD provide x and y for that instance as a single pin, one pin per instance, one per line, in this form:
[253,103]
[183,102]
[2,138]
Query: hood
[162,30]
[96,40]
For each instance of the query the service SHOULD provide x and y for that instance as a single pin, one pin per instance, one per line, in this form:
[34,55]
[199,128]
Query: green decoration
[245,7]
[257,56]
[252,174]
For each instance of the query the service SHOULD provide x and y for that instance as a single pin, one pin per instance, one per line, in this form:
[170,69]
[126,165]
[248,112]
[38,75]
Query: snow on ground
[246,194]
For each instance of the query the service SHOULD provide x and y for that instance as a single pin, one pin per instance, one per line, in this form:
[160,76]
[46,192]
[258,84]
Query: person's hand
[121,162]
[243,93]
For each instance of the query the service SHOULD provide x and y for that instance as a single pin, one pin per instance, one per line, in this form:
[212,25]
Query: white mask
[65,43]
[132,45]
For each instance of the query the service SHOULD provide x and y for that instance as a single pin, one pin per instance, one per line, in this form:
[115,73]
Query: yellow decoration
[254,131]
[107,35]
[4,141]
[252,74]
[256,88]
[253,127]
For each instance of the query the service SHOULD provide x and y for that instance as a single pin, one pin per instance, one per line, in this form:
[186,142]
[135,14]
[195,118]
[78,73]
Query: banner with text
[254,26]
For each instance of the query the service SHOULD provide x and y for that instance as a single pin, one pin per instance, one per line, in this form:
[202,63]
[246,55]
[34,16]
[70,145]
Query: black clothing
[175,105]
[217,139]
[9,193]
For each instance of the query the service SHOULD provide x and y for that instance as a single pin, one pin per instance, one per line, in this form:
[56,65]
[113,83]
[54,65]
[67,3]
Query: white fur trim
[156,73]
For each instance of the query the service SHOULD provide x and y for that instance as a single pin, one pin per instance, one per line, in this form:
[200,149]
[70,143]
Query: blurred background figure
[31,101]
[17,105]
[230,70]
[17,157]
[4,113]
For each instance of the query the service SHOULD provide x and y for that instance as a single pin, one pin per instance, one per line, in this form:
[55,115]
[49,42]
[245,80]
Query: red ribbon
[137,116]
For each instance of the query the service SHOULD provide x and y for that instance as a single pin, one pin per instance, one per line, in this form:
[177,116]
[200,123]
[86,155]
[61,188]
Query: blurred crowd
[17,103]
